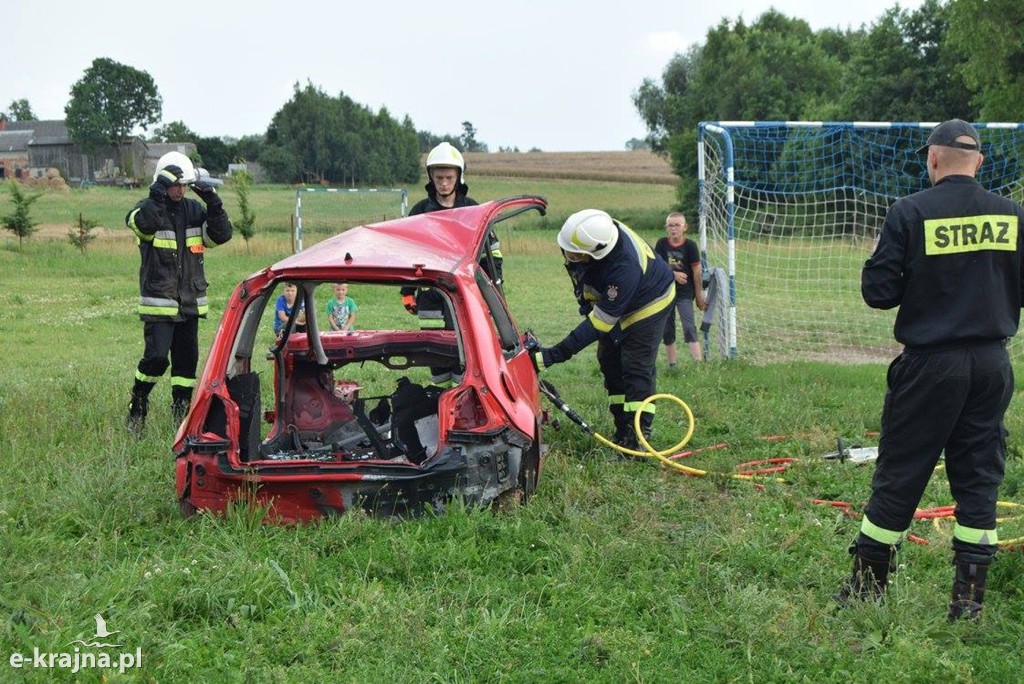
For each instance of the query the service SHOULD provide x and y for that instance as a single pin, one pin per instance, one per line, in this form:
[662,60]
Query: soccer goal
[791,210]
[323,212]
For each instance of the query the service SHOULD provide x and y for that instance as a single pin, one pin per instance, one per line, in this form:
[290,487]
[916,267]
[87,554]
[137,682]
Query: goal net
[791,210]
[323,212]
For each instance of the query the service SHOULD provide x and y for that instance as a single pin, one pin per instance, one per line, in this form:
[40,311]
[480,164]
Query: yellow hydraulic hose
[662,456]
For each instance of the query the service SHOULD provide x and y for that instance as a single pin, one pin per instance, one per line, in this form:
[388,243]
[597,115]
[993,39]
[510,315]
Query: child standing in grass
[341,309]
[683,257]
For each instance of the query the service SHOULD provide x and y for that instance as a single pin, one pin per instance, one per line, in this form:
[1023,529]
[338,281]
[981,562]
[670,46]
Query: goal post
[323,212]
[790,211]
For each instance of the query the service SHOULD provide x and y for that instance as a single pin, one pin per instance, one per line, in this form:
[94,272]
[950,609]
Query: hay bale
[52,173]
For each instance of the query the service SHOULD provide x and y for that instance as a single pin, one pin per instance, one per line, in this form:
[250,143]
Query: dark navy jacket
[950,258]
[629,284]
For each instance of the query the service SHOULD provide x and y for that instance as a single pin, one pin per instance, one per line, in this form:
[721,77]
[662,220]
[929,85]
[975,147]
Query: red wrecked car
[313,421]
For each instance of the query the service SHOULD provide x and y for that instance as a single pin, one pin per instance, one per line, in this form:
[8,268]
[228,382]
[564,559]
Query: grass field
[613,572]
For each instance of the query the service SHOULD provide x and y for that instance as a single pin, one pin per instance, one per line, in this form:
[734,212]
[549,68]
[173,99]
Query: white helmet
[589,231]
[445,154]
[188,169]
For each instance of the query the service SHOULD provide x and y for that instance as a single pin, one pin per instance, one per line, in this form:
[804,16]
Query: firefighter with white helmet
[173,233]
[446,189]
[625,292]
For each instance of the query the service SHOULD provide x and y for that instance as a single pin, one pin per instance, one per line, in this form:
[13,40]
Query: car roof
[438,241]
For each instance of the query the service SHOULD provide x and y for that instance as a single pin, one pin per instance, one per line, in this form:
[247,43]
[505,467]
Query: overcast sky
[553,74]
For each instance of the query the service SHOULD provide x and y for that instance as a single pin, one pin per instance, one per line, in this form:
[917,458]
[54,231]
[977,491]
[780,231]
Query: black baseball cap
[946,134]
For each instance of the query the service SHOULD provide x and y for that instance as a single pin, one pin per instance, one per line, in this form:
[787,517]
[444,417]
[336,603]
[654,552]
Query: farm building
[13,153]
[29,148]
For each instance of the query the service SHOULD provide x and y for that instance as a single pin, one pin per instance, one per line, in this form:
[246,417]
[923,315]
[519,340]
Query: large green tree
[21,110]
[319,138]
[213,153]
[175,131]
[109,102]
[902,68]
[776,68]
[907,65]
[988,35]
[769,70]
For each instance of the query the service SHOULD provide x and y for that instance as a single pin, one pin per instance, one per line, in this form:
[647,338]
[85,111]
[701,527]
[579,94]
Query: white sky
[553,74]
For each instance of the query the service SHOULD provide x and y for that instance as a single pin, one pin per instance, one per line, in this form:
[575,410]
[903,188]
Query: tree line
[945,59]
[313,138]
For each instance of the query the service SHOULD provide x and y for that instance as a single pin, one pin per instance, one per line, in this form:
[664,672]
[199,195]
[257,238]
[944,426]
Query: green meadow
[613,572]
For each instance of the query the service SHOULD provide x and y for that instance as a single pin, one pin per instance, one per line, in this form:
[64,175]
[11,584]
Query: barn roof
[47,128]
[14,141]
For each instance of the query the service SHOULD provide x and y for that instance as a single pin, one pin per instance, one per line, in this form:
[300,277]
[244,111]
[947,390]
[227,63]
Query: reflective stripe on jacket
[172,238]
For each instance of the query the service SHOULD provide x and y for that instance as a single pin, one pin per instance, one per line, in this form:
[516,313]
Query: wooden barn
[29,148]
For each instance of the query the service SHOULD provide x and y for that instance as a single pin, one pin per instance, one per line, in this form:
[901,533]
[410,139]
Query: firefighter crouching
[625,293]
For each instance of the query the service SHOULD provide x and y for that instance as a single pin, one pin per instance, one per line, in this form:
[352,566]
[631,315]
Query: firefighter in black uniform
[446,189]
[173,232]
[950,258]
[626,293]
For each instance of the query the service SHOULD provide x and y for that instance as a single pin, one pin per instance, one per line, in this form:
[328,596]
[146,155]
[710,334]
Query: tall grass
[613,572]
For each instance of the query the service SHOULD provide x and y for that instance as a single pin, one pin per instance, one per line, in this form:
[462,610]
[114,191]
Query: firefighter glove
[544,359]
[538,361]
[165,178]
[206,192]
[169,175]
[409,301]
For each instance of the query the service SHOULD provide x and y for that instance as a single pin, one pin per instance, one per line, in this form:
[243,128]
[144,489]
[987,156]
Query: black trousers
[628,360]
[953,399]
[434,314]
[180,340]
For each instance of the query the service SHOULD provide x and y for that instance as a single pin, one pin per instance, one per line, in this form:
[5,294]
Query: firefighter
[625,293]
[950,258]
[446,189]
[173,233]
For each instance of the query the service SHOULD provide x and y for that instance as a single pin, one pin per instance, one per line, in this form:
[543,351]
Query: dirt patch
[59,231]
[625,167]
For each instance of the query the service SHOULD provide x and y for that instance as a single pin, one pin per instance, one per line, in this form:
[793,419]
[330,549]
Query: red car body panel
[488,426]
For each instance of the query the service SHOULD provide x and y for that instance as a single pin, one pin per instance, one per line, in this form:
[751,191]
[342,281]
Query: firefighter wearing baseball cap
[625,293]
[173,233]
[950,258]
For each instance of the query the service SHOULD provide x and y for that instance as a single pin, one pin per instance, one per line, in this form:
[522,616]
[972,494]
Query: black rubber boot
[626,438]
[623,428]
[647,425]
[181,399]
[138,407]
[968,585]
[872,564]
